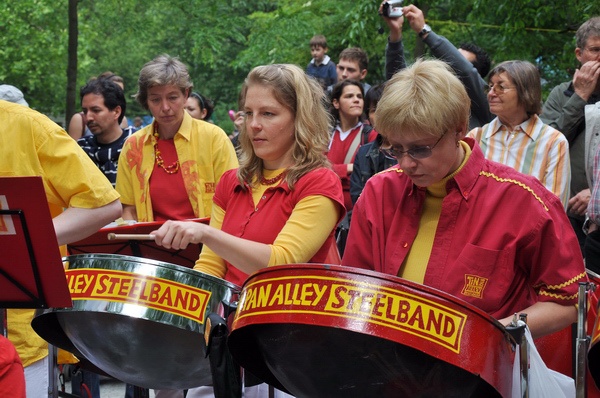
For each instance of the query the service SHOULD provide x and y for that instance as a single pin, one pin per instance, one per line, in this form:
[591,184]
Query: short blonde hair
[305,98]
[425,97]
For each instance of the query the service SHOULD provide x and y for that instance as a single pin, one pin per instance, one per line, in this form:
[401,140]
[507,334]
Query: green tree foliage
[221,41]
[33,51]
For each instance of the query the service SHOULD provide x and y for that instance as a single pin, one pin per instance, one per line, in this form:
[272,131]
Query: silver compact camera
[392,9]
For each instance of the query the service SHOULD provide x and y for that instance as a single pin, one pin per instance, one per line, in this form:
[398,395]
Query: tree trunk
[71,63]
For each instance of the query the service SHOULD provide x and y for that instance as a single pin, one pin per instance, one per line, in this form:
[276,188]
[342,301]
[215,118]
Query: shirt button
[466,193]
[256,209]
[264,197]
[405,245]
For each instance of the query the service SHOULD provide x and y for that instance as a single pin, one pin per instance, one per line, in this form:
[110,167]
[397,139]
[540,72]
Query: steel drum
[332,331]
[138,320]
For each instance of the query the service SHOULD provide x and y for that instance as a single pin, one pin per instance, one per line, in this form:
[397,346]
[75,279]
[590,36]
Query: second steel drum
[332,331]
[140,321]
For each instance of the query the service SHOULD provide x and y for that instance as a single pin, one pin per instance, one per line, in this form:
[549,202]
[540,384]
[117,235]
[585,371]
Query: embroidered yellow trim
[570,281]
[558,296]
[391,169]
[518,183]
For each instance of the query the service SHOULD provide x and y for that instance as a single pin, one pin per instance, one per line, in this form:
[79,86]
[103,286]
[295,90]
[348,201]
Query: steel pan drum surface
[332,331]
[141,321]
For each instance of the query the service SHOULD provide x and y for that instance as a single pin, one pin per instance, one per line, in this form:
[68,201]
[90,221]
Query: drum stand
[581,346]
[582,340]
[517,331]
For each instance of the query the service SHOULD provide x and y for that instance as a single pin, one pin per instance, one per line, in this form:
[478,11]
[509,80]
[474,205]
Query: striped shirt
[533,148]
[105,156]
[593,210]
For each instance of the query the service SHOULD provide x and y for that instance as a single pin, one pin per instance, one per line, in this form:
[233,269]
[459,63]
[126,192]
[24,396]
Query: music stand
[31,269]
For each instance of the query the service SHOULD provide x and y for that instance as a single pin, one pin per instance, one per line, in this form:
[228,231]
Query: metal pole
[524,359]
[52,371]
[582,341]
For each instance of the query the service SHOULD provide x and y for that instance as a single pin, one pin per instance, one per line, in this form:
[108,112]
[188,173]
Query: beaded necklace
[271,181]
[171,169]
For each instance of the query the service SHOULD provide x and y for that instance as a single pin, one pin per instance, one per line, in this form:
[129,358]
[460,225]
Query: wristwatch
[426,29]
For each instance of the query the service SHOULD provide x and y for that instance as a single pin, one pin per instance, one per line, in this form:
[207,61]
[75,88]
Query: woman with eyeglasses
[199,107]
[448,218]
[517,137]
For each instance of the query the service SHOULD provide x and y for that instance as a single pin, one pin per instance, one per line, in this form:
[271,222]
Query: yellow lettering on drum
[310,294]
[277,298]
[264,292]
[249,299]
[80,283]
[319,293]
[297,294]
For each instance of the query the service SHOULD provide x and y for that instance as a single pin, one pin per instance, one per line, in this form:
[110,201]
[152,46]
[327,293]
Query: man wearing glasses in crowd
[565,111]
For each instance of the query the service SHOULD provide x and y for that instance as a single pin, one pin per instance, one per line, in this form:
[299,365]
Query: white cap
[12,94]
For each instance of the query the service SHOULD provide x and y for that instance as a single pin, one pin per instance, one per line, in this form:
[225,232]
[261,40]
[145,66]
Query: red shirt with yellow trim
[264,221]
[503,241]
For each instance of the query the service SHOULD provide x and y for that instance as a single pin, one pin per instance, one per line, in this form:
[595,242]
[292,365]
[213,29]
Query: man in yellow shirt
[33,145]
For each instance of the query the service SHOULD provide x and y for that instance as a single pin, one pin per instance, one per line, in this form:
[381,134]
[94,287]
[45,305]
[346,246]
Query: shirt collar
[525,127]
[339,129]
[326,60]
[185,130]
[467,176]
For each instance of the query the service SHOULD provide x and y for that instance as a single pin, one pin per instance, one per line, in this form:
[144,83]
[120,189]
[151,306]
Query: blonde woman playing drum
[283,203]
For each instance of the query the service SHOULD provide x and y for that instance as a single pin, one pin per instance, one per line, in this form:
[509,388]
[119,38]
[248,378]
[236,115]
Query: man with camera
[470,63]
[564,110]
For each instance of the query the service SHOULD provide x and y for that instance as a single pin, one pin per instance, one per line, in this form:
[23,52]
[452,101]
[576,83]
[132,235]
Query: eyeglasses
[498,88]
[593,50]
[418,152]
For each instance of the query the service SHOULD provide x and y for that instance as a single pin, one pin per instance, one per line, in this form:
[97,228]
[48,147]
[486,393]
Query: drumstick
[113,236]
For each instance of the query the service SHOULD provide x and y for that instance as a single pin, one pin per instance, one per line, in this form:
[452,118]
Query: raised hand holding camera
[392,9]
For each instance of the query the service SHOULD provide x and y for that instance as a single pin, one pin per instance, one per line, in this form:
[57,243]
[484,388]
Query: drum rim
[147,261]
[383,277]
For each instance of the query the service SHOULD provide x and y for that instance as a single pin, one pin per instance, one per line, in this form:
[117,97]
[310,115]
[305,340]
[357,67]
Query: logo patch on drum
[474,286]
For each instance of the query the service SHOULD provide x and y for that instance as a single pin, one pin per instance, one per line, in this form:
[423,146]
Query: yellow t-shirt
[415,263]
[313,218]
[33,145]
[204,151]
